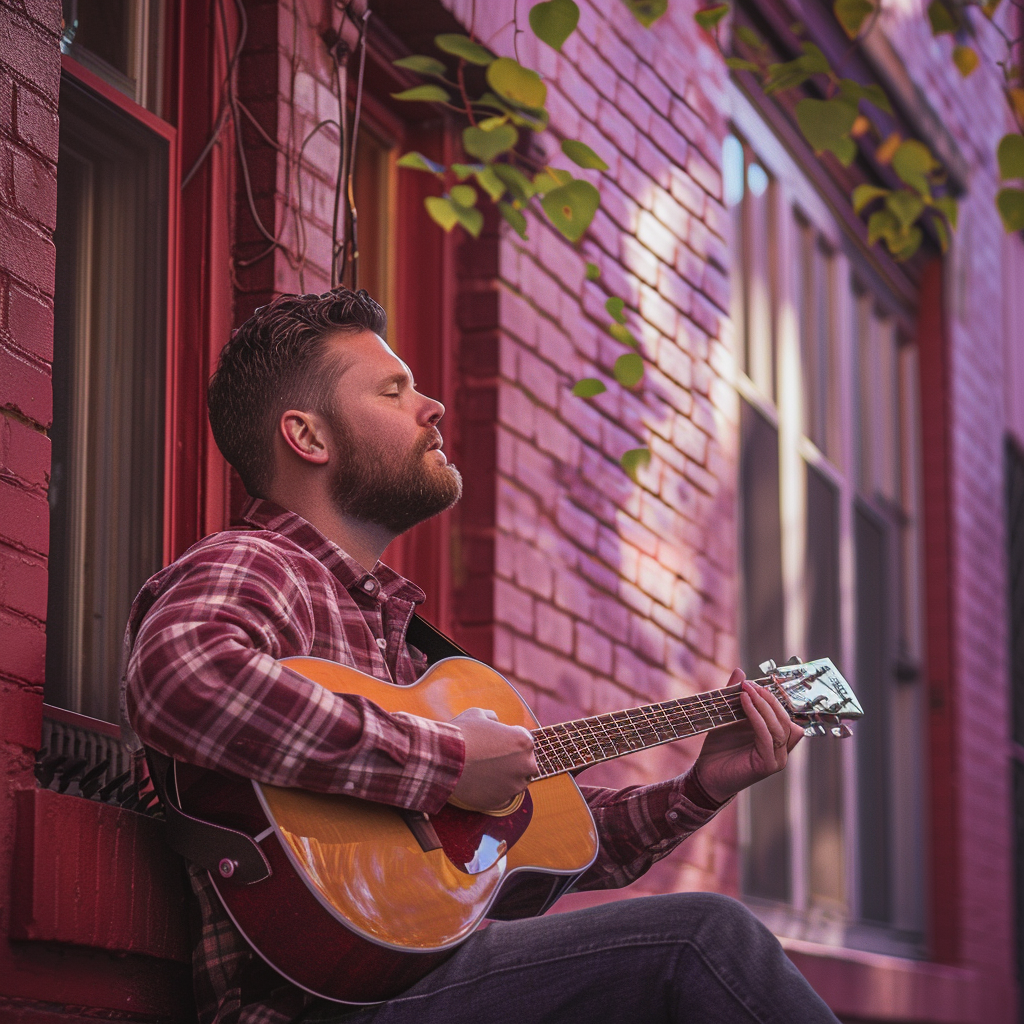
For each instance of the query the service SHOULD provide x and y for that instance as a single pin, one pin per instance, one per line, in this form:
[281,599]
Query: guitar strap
[210,846]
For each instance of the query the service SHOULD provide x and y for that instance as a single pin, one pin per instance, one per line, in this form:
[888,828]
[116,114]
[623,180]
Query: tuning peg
[767,666]
[815,729]
[795,660]
[841,732]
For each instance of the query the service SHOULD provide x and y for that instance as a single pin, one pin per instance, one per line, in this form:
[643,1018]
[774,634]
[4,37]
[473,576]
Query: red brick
[593,649]
[25,386]
[35,122]
[30,322]
[513,606]
[24,453]
[24,518]
[26,253]
[23,655]
[554,629]
[35,189]
[32,53]
[23,584]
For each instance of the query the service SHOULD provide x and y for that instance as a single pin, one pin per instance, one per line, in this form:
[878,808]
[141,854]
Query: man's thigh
[680,958]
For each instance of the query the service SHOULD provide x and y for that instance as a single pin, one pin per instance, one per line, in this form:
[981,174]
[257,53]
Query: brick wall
[29,85]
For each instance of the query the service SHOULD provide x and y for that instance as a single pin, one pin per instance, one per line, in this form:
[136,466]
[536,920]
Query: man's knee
[710,915]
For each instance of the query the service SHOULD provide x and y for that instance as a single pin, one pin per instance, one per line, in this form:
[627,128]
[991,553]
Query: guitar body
[364,900]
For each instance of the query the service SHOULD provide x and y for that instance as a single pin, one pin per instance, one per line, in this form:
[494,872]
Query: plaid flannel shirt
[204,684]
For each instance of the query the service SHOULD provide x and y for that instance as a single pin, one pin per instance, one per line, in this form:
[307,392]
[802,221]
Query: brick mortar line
[19,417]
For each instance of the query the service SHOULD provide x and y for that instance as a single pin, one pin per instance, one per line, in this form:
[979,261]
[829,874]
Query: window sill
[875,986]
[88,874]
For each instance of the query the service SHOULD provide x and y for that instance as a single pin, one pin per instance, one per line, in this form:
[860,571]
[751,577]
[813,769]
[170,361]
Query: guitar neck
[585,741]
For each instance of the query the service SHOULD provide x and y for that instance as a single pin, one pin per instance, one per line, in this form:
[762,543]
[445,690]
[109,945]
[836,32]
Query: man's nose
[433,410]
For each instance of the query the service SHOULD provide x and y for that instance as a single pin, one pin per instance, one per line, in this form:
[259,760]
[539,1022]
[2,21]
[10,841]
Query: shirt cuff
[436,758]
[697,794]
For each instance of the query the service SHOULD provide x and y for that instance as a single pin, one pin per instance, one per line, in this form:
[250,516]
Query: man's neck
[363,541]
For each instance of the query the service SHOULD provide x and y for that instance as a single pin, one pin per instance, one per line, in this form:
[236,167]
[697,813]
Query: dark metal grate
[84,757]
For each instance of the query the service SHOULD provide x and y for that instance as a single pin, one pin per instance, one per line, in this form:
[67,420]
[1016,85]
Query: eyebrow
[399,378]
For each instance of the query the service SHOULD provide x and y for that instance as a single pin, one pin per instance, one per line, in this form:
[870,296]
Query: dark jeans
[698,958]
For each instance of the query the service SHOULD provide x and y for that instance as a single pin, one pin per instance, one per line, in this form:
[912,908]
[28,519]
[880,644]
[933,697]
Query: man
[341,455]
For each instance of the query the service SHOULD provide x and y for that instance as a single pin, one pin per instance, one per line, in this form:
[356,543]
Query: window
[829,554]
[118,40]
[106,487]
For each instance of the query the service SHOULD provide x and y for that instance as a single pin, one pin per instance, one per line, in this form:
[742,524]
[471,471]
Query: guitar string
[557,745]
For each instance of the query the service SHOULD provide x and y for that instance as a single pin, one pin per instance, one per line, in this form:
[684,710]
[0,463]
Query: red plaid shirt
[205,685]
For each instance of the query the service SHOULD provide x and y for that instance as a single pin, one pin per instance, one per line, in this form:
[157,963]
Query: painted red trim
[117,98]
[944,794]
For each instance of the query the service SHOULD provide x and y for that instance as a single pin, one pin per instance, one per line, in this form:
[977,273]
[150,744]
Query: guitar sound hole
[474,842]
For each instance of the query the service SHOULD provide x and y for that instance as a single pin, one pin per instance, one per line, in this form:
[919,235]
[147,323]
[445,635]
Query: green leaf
[516,84]
[852,14]
[418,162]
[426,93]
[913,162]
[553,22]
[629,369]
[882,224]
[795,72]
[490,123]
[614,306]
[647,12]
[623,335]
[571,208]
[865,194]
[942,19]
[421,65]
[906,245]
[950,208]
[592,272]
[1010,155]
[711,16]
[464,195]
[989,8]
[853,92]
[826,125]
[462,46]
[550,178]
[514,217]
[491,183]
[634,460]
[965,59]
[887,149]
[1010,203]
[515,181]
[442,211]
[745,34]
[941,230]
[464,171]
[471,219]
[583,156]
[588,388]
[814,60]
[486,145]
[906,205]
[739,64]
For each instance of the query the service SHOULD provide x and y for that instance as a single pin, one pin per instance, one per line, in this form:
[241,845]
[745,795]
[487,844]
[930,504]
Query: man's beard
[374,484]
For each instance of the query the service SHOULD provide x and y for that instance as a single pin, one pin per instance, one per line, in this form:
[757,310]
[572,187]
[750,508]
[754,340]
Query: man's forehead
[368,356]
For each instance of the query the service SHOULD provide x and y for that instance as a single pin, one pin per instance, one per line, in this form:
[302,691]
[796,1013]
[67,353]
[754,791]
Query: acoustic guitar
[363,899]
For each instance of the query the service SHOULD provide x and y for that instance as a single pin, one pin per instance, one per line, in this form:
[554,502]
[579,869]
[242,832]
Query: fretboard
[586,741]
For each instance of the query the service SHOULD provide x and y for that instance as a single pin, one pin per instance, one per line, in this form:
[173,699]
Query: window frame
[797,206]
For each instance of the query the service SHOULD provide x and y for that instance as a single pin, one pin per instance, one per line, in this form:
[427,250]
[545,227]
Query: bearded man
[341,454]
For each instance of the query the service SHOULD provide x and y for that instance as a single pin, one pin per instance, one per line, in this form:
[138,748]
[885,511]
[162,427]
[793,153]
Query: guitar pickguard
[472,841]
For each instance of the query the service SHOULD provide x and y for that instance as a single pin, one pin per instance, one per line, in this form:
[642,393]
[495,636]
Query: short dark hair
[275,361]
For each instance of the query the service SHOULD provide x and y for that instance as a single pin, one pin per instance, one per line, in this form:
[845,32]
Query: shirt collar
[382,583]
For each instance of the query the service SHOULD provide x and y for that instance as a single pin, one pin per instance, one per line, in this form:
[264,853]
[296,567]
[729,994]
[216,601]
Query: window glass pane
[106,494]
[767,860]
[815,335]
[872,687]
[824,756]
[1015,574]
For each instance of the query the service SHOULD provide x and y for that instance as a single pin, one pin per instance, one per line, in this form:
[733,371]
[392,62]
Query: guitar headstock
[815,694]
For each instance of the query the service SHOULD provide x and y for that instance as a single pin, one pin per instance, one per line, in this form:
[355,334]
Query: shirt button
[369,586]
[673,815]
[349,785]
[382,643]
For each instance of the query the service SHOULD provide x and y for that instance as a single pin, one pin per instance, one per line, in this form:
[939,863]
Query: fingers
[769,721]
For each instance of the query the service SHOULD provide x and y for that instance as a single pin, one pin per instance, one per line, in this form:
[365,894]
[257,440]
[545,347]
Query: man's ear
[305,435]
